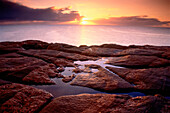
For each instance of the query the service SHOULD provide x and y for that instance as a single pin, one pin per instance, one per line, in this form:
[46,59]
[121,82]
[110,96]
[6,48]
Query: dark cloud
[10,11]
[132,21]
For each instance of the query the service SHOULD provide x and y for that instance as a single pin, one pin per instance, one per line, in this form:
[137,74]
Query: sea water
[87,35]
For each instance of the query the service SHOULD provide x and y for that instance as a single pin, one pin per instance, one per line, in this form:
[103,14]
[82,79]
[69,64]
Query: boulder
[65,47]
[17,98]
[68,78]
[102,80]
[77,70]
[107,103]
[15,69]
[41,75]
[138,51]
[95,66]
[34,44]
[138,61]
[2,82]
[9,47]
[52,55]
[99,51]
[152,80]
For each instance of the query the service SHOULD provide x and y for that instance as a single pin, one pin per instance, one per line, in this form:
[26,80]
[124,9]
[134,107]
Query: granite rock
[102,80]
[107,103]
[138,61]
[151,80]
[17,98]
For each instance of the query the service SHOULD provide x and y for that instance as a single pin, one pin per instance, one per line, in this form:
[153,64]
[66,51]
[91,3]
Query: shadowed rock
[68,78]
[15,69]
[137,51]
[10,55]
[166,54]
[113,46]
[17,98]
[101,80]
[52,55]
[34,44]
[77,70]
[106,103]
[2,82]
[136,61]
[41,75]
[95,66]
[98,51]
[152,79]
[65,47]
[9,47]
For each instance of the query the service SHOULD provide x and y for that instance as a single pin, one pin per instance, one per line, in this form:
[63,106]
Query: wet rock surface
[17,98]
[152,80]
[136,61]
[101,80]
[105,103]
[34,62]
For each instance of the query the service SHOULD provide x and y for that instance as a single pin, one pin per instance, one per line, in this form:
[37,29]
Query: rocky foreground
[144,69]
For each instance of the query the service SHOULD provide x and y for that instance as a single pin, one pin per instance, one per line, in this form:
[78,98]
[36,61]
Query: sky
[92,12]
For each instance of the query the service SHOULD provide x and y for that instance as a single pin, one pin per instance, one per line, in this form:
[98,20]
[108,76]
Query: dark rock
[2,82]
[10,55]
[137,51]
[77,70]
[15,69]
[115,46]
[107,103]
[59,75]
[98,51]
[152,79]
[9,47]
[95,66]
[17,98]
[101,80]
[87,70]
[68,78]
[34,44]
[61,62]
[52,55]
[151,47]
[61,69]
[138,61]
[166,54]
[41,75]
[65,47]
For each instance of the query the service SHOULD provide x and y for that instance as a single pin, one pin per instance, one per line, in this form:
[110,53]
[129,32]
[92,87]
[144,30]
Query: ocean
[87,35]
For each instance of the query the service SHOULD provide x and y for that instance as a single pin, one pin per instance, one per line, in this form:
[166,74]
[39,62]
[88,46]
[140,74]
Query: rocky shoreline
[144,69]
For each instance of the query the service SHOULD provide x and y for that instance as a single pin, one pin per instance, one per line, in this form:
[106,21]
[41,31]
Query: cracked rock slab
[101,80]
[41,75]
[157,79]
[17,98]
[107,103]
[138,61]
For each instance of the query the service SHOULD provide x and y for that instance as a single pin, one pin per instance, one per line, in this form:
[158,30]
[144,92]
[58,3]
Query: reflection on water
[61,88]
[87,35]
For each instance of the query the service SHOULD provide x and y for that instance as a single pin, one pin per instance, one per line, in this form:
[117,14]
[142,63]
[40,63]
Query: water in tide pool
[87,35]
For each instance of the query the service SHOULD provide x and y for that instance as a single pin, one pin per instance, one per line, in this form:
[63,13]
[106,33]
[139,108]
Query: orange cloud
[132,21]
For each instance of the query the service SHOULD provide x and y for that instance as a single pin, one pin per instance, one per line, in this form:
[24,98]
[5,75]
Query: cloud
[10,11]
[132,21]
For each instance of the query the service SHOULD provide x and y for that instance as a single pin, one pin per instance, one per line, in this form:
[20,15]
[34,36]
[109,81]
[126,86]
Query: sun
[86,21]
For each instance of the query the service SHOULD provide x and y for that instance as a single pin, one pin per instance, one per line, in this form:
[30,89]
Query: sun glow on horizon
[86,21]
